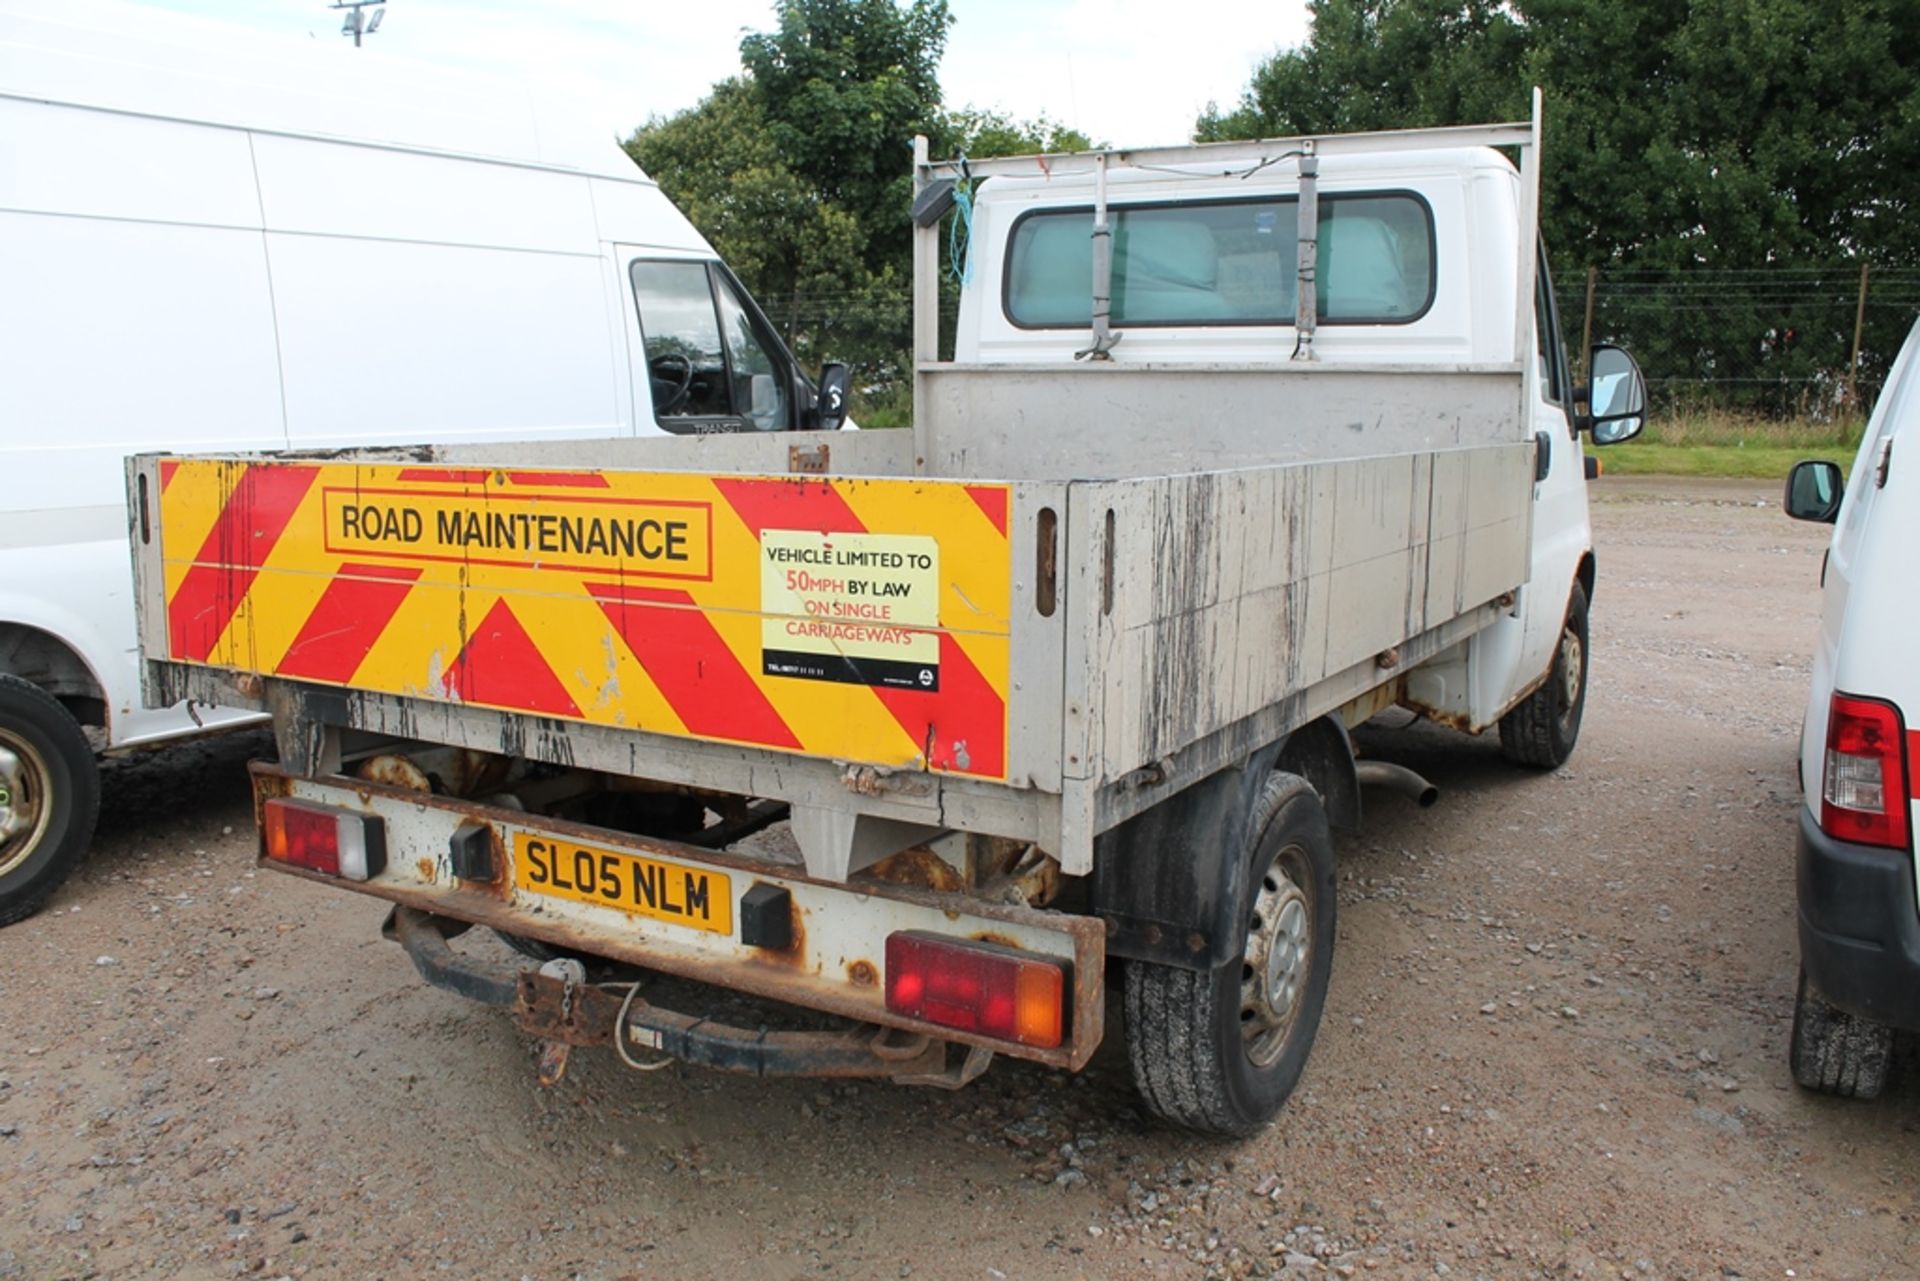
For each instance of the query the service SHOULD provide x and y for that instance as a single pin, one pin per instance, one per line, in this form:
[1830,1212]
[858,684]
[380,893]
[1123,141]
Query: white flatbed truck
[938,733]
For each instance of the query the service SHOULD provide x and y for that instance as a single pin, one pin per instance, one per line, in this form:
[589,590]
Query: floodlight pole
[356,24]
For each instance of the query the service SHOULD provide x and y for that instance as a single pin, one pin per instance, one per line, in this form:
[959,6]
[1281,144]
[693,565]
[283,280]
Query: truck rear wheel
[1540,732]
[49,797]
[1835,1052]
[1220,1051]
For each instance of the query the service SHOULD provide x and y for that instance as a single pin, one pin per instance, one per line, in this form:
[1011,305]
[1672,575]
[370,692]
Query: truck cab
[1418,265]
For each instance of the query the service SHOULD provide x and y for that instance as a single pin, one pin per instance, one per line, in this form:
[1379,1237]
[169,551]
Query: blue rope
[960,235]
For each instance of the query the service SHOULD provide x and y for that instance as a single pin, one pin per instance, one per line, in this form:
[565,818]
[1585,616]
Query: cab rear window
[1226,262]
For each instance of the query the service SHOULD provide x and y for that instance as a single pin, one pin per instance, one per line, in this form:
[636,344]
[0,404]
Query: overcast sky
[1127,72]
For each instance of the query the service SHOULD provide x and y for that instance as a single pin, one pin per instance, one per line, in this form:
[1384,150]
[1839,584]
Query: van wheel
[49,797]
[1835,1052]
[1541,731]
[1220,1051]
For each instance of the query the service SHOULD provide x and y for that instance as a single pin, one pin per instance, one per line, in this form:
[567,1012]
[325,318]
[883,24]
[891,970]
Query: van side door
[705,358]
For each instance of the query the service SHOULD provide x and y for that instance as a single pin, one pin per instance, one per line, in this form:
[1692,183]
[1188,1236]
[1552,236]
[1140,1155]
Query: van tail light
[1863,794]
[981,988]
[321,838]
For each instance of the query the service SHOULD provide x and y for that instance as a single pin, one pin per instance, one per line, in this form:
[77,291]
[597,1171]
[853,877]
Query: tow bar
[558,1007]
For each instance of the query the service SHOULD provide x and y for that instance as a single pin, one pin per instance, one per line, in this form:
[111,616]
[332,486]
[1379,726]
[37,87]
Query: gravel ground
[1555,1043]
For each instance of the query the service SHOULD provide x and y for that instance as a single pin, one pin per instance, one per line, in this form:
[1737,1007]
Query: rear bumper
[1859,926]
[832,959]
[592,1015]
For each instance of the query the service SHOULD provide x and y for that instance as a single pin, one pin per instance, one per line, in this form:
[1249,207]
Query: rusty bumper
[830,961]
[591,1014]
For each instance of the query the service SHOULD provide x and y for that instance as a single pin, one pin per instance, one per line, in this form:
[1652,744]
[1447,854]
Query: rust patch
[501,886]
[546,1011]
[1037,883]
[794,955]
[797,949]
[862,974]
[991,856]
[426,869]
[993,936]
[1006,870]
[390,769]
[267,785]
[1451,720]
[1376,700]
[552,1067]
[919,867]
[471,772]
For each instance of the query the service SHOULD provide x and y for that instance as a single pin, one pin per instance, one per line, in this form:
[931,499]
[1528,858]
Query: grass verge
[1751,462]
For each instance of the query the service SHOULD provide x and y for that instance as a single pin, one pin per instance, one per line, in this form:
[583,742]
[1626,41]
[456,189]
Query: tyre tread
[1529,734]
[19,904]
[1834,1052]
[1170,1015]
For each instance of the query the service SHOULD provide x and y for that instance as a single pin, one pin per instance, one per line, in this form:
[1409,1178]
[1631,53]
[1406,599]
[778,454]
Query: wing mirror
[830,407]
[1616,395]
[1814,489]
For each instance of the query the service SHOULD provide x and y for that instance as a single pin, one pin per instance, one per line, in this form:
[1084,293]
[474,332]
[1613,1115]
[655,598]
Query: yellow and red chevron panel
[860,620]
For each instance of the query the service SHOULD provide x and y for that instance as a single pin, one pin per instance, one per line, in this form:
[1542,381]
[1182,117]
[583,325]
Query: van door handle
[1542,455]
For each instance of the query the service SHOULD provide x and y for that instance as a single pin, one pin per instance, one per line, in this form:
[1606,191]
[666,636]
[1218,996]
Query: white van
[1080,652]
[214,241]
[1860,757]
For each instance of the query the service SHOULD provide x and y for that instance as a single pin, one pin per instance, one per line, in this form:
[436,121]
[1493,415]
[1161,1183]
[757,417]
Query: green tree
[798,170]
[971,131]
[845,84]
[1767,135]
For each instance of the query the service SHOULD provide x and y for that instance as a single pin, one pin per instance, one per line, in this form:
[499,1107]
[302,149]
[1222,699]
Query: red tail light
[321,838]
[1863,794]
[977,987]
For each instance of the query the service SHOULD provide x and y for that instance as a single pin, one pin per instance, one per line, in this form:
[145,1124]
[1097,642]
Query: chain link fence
[1763,350]
[1792,347]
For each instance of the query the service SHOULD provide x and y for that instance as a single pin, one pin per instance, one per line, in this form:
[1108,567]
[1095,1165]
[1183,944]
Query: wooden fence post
[1859,324]
[1586,330]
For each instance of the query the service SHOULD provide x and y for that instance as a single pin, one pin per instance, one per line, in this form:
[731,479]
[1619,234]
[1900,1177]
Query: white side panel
[71,578]
[332,189]
[160,63]
[119,337]
[72,161]
[1236,591]
[1867,618]
[1086,421]
[635,214]
[390,342]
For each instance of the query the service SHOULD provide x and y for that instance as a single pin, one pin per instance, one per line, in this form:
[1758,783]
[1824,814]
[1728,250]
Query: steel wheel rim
[24,812]
[1278,959]
[1573,664]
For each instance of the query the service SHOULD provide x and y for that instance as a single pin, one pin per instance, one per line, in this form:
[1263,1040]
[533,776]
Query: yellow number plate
[672,892]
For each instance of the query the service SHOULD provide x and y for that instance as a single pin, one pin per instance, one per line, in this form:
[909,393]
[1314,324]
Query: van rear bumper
[1859,926]
[831,958]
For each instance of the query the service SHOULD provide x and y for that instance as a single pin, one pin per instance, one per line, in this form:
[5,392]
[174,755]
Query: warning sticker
[851,607]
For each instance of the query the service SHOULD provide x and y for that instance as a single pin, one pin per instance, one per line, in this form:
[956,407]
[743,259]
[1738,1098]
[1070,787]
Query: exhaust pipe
[1399,778]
